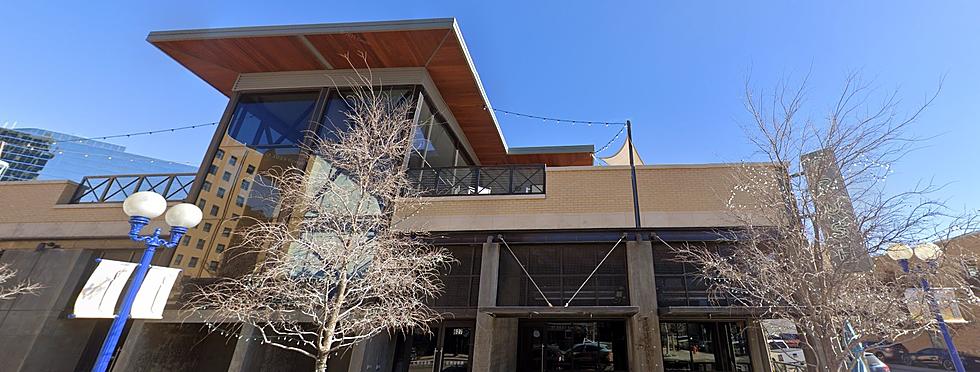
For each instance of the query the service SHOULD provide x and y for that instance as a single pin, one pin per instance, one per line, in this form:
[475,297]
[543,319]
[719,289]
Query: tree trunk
[321,361]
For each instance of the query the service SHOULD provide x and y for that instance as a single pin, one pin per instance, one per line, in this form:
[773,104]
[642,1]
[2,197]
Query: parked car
[875,364]
[886,350]
[937,357]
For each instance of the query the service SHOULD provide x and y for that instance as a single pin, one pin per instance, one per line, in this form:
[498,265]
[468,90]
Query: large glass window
[435,145]
[272,119]
[705,346]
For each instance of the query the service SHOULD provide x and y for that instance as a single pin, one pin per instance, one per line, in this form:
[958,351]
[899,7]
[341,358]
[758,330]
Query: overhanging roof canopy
[218,56]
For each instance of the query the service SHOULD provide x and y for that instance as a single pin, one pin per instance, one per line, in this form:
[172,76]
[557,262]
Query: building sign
[835,217]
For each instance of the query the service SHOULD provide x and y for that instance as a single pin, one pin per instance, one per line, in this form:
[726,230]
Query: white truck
[784,356]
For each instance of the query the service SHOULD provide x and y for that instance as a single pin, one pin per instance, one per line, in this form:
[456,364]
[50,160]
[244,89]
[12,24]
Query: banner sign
[946,300]
[100,294]
[153,294]
[835,217]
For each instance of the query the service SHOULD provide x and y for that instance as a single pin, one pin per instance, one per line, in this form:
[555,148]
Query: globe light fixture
[184,215]
[899,251]
[146,204]
[141,207]
[927,251]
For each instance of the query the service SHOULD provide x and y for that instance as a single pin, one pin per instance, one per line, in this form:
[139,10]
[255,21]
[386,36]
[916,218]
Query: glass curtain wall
[265,131]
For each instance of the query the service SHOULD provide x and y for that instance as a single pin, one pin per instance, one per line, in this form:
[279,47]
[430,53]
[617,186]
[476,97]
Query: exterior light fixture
[928,252]
[141,207]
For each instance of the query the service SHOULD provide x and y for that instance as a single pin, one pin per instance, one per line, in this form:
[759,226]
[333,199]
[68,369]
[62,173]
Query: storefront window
[704,346]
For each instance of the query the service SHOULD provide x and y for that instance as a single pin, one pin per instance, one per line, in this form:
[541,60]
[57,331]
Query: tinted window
[271,119]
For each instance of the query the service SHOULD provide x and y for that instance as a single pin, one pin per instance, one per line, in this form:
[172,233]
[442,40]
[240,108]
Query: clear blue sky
[675,68]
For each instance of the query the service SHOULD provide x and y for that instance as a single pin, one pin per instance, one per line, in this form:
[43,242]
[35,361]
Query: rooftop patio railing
[115,188]
[490,180]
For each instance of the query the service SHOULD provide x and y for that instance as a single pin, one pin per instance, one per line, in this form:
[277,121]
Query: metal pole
[115,331]
[636,199]
[152,243]
[954,355]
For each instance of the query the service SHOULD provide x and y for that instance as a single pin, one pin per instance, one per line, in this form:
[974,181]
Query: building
[41,154]
[528,226]
[25,154]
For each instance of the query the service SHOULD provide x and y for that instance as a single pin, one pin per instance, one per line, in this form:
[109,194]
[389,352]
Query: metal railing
[490,180]
[111,189]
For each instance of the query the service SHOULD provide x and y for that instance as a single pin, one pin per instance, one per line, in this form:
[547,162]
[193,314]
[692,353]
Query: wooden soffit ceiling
[218,56]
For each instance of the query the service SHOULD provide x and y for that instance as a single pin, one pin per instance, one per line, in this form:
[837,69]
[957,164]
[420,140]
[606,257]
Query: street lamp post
[927,252]
[141,207]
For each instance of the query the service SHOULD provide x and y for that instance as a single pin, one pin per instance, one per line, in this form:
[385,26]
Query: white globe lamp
[184,215]
[147,204]
[899,251]
[927,251]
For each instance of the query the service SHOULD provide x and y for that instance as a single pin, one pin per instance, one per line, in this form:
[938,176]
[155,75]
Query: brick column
[644,326]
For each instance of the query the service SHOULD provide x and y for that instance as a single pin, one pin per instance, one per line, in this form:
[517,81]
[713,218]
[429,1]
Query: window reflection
[271,119]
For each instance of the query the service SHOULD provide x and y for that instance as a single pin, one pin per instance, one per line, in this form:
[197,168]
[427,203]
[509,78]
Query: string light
[59,151]
[606,146]
[167,130]
[557,120]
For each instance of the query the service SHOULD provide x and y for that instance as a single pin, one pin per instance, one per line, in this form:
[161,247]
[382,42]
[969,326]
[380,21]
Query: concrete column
[244,350]
[758,347]
[644,326]
[495,343]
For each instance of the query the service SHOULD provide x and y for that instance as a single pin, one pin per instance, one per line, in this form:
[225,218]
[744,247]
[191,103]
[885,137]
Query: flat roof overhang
[219,55]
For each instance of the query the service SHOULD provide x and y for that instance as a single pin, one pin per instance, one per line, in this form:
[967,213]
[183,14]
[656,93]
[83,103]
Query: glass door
[704,346]
[448,348]
[545,346]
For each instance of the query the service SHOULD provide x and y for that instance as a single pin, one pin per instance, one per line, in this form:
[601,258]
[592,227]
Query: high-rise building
[34,153]
[25,154]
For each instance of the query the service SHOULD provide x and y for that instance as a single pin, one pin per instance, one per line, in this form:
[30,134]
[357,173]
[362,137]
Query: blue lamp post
[141,207]
[927,252]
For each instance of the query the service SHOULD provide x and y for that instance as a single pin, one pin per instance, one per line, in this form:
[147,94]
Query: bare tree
[19,288]
[810,243]
[341,268]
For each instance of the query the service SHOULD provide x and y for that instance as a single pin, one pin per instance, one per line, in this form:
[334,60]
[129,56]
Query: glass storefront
[448,348]
[572,346]
[705,346]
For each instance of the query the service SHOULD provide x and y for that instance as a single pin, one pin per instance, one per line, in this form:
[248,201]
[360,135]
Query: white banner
[152,296]
[100,294]
[946,300]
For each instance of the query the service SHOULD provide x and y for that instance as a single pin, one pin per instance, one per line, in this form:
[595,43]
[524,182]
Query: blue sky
[677,69]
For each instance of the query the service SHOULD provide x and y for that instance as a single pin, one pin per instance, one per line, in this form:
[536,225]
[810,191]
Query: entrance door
[572,346]
[705,346]
[447,349]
